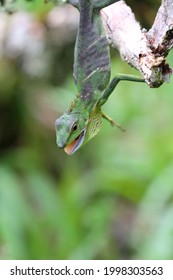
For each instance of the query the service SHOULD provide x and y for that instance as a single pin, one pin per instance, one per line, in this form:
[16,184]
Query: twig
[145,51]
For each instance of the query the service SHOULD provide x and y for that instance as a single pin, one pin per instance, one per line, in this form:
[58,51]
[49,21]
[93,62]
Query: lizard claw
[114,123]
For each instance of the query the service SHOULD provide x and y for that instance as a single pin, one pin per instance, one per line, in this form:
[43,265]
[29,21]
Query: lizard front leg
[112,122]
[107,92]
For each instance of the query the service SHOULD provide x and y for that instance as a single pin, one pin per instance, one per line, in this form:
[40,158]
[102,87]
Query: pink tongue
[69,148]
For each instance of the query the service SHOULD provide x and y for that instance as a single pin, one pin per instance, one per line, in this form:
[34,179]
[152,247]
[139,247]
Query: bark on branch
[146,51]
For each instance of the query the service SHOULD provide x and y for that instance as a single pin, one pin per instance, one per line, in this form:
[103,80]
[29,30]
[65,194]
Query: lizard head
[75,129]
[70,131]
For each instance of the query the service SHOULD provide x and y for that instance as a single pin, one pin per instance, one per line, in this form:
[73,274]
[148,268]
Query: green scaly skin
[83,119]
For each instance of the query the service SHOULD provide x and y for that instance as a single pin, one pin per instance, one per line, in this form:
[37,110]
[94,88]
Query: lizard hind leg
[75,3]
[96,3]
[102,4]
[113,122]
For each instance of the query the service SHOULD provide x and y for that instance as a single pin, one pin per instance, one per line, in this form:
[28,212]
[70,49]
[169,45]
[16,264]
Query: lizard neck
[81,103]
[90,110]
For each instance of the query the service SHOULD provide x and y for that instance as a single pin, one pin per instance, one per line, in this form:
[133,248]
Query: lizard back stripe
[92,58]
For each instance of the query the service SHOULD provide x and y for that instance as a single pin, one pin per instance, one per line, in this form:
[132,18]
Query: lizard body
[83,119]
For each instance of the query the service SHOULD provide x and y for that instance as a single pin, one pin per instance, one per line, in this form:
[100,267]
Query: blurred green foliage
[113,199]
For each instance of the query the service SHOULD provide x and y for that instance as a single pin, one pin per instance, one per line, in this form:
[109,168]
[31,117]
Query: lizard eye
[74,127]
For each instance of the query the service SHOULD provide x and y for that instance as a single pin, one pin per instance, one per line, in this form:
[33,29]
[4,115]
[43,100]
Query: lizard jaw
[71,148]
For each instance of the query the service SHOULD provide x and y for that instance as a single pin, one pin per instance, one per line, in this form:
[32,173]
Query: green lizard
[83,119]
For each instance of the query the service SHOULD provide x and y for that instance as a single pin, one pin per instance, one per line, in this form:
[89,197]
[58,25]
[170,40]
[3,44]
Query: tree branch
[145,51]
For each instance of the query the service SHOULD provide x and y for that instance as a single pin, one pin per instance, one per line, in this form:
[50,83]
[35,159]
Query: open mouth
[76,143]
